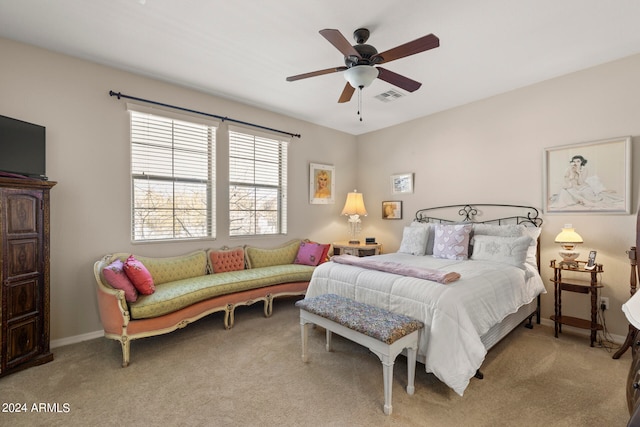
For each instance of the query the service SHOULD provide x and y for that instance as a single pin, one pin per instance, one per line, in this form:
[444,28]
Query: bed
[493,249]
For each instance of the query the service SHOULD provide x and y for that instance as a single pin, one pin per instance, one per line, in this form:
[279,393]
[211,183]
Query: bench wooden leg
[412,354]
[387,353]
[329,344]
[387,378]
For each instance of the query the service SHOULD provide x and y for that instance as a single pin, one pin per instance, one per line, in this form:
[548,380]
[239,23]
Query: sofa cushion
[260,257]
[139,276]
[173,296]
[169,269]
[311,253]
[115,276]
[222,260]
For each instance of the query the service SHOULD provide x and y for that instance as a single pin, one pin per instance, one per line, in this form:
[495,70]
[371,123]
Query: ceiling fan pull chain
[360,102]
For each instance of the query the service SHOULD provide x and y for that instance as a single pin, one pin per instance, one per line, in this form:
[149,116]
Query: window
[172,177]
[257,184]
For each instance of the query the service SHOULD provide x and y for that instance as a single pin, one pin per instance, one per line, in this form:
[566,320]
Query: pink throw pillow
[139,276]
[452,241]
[227,260]
[311,253]
[325,253]
[116,277]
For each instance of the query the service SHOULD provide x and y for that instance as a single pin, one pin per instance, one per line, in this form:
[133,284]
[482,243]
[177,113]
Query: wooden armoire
[24,273]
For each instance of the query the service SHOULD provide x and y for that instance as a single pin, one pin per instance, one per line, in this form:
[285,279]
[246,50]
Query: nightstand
[356,249]
[588,285]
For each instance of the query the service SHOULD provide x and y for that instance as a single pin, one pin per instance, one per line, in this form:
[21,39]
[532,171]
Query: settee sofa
[188,287]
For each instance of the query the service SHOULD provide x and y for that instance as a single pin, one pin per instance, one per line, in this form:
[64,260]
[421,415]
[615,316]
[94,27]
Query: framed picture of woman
[392,210]
[591,177]
[321,184]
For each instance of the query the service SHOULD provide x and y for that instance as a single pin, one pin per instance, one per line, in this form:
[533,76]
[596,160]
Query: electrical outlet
[604,301]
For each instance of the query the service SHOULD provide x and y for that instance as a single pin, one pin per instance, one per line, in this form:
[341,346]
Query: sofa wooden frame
[118,324]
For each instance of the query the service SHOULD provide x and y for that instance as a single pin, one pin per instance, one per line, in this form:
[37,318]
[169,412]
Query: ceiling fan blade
[398,80]
[418,45]
[336,38]
[315,73]
[347,93]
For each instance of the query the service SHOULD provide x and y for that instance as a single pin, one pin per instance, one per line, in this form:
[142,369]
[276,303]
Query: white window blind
[257,184]
[172,178]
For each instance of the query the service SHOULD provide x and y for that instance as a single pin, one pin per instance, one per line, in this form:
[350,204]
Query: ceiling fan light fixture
[361,76]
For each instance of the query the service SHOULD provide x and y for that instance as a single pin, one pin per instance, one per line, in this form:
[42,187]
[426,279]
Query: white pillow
[512,230]
[429,250]
[534,233]
[414,240]
[507,230]
[507,250]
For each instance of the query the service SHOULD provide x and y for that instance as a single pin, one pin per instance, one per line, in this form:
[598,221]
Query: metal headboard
[473,212]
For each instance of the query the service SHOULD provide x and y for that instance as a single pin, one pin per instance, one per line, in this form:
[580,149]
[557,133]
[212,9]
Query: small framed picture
[392,210]
[321,184]
[402,183]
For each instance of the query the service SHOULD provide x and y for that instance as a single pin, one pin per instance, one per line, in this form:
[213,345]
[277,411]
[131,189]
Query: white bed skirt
[499,331]
[502,329]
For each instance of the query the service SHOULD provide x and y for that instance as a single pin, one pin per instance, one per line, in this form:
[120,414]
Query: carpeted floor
[253,375]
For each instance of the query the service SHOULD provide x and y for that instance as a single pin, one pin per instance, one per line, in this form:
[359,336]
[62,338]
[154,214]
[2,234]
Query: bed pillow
[414,241]
[311,253]
[507,250]
[115,276]
[451,241]
[429,249]
[139,276]
[507,230]
[512,230]
[534,233]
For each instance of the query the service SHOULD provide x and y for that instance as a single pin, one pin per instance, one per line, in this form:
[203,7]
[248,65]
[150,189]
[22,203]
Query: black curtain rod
[121,95]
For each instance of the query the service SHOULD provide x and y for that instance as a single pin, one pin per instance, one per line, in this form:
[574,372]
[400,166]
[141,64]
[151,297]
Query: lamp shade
[568,235]
[361,76]
[354,204]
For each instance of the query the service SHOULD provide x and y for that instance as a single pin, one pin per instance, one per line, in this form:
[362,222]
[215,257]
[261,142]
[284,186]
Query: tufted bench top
[375,322]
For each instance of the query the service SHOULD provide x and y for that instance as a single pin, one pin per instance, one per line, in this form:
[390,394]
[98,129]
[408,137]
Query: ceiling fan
[360,59]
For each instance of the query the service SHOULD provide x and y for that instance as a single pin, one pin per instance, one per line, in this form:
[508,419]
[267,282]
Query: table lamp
[568,239]
[353,208]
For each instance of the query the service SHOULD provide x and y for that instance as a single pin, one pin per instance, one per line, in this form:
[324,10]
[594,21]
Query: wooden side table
[357,249]
[582,286]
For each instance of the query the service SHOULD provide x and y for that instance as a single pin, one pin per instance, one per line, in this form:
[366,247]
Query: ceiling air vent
[390,95]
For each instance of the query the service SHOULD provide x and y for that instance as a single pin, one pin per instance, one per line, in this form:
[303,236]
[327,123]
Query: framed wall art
[321,184]
[392,210]
[402,183]
[591,177]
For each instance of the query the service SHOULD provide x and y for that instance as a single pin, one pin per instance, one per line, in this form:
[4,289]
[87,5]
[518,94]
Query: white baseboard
[76,339]
[617,339]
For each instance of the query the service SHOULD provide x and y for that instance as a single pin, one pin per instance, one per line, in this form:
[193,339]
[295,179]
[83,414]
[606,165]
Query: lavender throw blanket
[397,268]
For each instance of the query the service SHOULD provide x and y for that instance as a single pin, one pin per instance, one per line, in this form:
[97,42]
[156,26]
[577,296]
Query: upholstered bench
[385,333]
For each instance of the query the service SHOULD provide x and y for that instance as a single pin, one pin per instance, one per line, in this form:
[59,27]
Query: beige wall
[88,155]
[488,151]
[491,151]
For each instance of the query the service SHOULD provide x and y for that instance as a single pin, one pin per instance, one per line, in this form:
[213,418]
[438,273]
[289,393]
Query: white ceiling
[244,49]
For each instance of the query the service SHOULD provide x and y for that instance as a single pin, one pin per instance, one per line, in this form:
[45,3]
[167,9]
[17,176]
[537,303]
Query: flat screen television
[22,148]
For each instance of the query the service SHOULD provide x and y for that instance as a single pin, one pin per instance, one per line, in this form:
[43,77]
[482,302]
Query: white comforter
[455,315]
